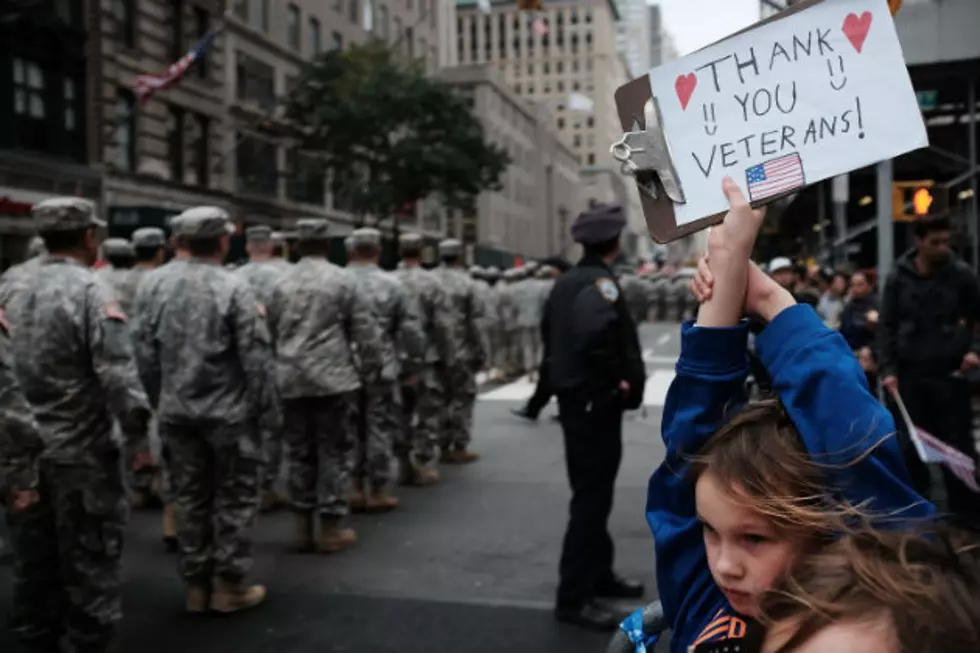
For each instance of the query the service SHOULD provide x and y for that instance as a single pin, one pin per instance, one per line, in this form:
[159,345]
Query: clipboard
[645,154]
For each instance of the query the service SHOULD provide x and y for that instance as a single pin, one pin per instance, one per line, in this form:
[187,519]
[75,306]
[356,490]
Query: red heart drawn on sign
[856,29]
[685,86]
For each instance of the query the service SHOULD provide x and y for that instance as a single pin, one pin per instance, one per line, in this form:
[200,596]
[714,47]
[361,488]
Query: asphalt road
[467,566]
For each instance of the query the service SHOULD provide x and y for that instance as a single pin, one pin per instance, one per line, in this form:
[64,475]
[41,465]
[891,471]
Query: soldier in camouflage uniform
[423,402]
[205,355]
[15,277]
[73,357]
[469,336]
[403,348]
[320,321]
[262,272]
[118,274]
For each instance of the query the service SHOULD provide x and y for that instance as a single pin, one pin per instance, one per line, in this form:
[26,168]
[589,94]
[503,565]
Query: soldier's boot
[169,529]
[271,500]
[380,501]
[358,501]
[335,538]
[197,599]
[231,597]
[304,531]
[462,457]
[424,476]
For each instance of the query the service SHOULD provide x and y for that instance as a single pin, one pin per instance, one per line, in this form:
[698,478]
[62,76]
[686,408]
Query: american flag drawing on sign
[775,177]
[147,85]
[933,450]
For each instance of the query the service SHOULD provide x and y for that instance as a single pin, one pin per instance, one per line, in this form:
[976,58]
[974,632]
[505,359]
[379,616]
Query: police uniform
[593,349]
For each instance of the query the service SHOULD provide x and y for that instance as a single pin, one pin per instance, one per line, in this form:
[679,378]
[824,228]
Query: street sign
[928,100]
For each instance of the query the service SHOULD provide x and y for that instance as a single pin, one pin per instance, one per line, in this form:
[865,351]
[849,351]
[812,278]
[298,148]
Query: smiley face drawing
[710,120]
[838,80]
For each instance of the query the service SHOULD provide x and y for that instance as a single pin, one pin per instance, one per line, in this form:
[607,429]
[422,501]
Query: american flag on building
[540,26]
[147,85]
[775,177]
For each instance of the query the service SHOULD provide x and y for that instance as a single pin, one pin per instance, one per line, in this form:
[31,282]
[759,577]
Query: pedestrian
[16,276]
[831,302]
[73,356]
[597,372]
[926,344]
[326,341]
[423,401]
[470,345]
[402,350]
[204,353]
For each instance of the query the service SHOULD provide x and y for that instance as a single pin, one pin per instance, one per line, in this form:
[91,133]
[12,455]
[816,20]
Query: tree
[390,136]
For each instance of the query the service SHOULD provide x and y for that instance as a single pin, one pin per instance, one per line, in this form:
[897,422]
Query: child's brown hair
[926,583]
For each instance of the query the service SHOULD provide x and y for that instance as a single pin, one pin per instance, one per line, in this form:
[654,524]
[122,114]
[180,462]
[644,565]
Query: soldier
[319,319]
[403,347]
[73,358]
[423,402]
[262,272]
[205,357]
[491,277]
[527,301]
[470,341]
[635,294]
[16,276]
[479,277]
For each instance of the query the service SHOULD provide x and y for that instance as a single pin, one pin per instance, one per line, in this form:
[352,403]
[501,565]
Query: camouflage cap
[310,229]
[118,247]
[531,266]
[410,241]
[36,247]
[259,234]
[65,214]
[349,243]
[450,247]
[476,271]
[493,272]
[366,237]
[203,222]
[149,237]
[278,237]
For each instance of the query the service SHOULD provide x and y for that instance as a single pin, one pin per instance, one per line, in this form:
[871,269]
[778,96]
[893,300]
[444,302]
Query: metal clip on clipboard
[645,156]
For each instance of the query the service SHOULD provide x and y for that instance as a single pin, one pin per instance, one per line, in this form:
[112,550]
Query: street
[469,565]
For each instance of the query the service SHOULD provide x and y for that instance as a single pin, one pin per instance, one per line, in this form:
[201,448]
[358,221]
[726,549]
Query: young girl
[732,506]
[875,591]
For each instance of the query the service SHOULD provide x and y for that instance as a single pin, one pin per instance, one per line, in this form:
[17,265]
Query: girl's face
[746,554]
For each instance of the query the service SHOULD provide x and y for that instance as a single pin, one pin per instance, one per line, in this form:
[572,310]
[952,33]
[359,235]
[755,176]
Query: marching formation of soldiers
[211,390]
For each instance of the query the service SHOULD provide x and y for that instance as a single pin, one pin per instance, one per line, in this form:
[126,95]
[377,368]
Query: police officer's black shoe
[617,587]
[522,412]
[591,616]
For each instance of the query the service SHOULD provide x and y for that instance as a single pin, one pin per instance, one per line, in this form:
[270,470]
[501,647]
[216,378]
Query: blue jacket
[825,393]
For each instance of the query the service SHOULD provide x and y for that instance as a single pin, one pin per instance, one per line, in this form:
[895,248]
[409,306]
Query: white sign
[793,102]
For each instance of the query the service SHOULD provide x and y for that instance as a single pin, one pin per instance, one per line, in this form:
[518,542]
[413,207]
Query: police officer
[597,372]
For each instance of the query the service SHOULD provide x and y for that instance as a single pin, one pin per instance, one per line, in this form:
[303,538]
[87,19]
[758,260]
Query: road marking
[651,358]
[654,393]
[663,339]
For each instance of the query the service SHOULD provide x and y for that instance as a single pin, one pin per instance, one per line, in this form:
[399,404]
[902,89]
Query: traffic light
[918,199]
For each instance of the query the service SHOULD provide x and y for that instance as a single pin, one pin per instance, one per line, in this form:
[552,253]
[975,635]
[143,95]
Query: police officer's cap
[600,224]
[65,214]
[450,247]
[118,247]
[312,229]
[203,222]
[258,234]
[366,237]
[149,237]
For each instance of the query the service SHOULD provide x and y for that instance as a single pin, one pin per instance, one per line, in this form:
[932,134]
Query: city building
[633,36]
[48,139]
[531,214]
[769,8]
[661,43]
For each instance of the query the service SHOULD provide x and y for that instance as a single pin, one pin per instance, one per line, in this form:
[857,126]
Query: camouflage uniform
[489,299]
[318,318]
[469,336]
[204,355]
[527,300]
[73,358]
[402,345]
[424,403]
[262,276]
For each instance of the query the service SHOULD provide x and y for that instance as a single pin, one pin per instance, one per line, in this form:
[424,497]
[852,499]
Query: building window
[292,27]
[383,17]
[70,97]
[125,19]
[591,159]
[306,179]
[338,41]
[175,143]
[367,17]
[433,12]
[203,23]
[240,7]
[198,170]
[561,86]
[28,89]
[315,36]
[561,123]
[255,81]
[410,41]
[257,167]
[125,131]
[590,121]
[352,12]
[264,15]
[577,141]
[175,24]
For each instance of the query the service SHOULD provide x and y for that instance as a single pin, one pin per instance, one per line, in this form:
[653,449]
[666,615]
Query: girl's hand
[764,298]
[735,236]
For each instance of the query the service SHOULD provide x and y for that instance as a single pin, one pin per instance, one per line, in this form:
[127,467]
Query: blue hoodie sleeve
[825,392]
[710,383]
